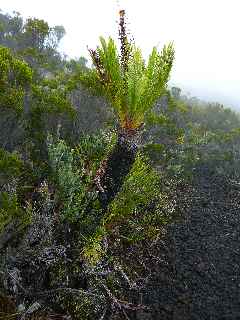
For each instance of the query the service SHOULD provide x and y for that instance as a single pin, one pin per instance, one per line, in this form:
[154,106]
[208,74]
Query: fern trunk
[116,167]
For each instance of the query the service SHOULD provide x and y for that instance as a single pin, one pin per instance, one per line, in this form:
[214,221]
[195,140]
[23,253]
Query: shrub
[139,208]
[138,213]
[10,165]
[10,210]
[73,170]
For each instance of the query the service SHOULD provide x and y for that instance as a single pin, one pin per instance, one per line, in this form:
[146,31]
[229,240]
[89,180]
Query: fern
[129,85]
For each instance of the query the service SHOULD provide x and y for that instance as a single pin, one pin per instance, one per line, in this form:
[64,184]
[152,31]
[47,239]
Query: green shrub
[138,212]
[11,210]
[137,209]
[10,165]
[68,179]
[72,172]
[15,76]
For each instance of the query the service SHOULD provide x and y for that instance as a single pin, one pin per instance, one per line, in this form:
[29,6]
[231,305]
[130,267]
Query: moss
[81,305]
[58,274]
[93,251]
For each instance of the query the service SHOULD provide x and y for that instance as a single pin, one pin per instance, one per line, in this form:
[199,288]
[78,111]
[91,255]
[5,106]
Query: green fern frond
[135,83]
[113,82]
[131,87]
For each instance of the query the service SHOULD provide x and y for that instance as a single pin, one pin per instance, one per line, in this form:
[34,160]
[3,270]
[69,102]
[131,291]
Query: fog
[205,33]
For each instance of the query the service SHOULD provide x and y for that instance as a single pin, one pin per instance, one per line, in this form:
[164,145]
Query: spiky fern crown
[131,86]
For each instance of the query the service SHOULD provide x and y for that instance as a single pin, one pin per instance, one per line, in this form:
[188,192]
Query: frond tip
[125,47]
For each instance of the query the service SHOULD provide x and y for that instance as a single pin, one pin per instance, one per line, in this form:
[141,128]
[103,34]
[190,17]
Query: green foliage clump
[138,205]
[82,305]
[68,178]
[48,100]
[10,210]
[220,151]
[140,185]
[10,165]
[92,149]
[15,77]
[11,169]
[214,117]
[132,94]
[211,139]
[131,86]
[73,170]
[138,212]
[51,98]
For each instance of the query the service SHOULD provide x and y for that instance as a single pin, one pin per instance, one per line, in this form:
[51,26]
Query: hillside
[119,196]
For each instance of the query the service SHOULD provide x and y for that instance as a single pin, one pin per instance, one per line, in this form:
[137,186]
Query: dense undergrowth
[62,251]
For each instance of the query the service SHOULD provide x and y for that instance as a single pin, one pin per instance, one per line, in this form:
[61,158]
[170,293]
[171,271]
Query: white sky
[206,34]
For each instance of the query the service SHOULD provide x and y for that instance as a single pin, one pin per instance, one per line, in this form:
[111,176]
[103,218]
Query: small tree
[132,87]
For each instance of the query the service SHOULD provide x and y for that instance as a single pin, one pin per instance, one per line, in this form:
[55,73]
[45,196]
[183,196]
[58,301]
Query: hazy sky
[206,34]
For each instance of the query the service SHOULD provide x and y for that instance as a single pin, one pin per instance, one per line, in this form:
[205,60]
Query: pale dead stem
[123,305]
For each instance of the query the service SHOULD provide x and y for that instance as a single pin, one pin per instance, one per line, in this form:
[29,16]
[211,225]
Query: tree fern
[131,86]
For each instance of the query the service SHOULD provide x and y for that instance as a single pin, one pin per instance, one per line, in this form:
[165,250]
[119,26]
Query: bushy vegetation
[93,165]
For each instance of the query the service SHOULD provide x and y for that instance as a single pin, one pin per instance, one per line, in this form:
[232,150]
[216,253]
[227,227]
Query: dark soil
[199,277]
